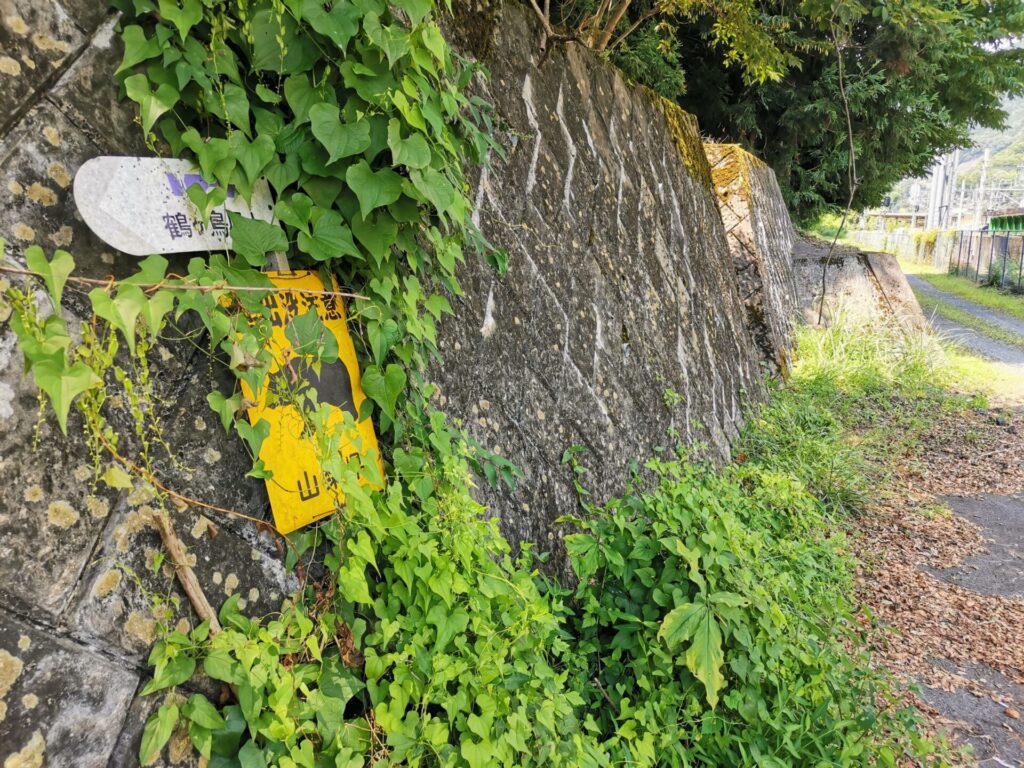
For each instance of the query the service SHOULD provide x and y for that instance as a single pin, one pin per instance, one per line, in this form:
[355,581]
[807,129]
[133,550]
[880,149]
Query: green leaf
[340,23]
[373,189]
[174,672]
[301,96]
[225,407]
[584,554]
[121,312]
[253,156]
[330,239]
[252,239]
[62,384]
[152,104]
[137,48]
[338,138]
[704,657]
[391,39]
[309,337]
[200,711]
[352,580]
[435,187]
[201,738]
[157,732]
[251,756]
[413,152]
[115,477]
[385,388]
[418,10]
[183,14]
[54,273]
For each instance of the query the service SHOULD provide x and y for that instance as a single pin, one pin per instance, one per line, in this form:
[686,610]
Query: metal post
[991,250]
[1020,264]
[959,251]
[981,247]
[1006,253]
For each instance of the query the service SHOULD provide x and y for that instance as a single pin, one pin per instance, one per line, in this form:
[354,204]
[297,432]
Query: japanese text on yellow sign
[299,492]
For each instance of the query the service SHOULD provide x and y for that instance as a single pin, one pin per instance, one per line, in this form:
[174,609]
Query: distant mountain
[1006,146]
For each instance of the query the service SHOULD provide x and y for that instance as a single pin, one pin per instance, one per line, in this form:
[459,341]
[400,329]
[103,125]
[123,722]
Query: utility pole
[949,191]
[979,198]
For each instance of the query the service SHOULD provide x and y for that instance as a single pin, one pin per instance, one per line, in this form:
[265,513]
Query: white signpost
[139,205]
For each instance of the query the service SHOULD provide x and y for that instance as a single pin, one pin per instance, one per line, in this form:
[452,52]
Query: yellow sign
[299,493]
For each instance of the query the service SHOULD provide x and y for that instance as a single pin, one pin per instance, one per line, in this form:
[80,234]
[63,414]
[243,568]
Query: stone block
[115,603]
[88,94]
[60,704]
[38,161]
[36,39]
[51,515]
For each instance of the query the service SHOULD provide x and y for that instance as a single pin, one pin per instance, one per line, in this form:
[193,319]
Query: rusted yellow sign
[299,493]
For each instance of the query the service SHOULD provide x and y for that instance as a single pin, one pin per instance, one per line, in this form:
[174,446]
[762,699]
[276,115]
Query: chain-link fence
[991,258]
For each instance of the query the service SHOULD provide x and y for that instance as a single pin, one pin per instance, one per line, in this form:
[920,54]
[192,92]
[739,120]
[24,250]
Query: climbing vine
[426,642]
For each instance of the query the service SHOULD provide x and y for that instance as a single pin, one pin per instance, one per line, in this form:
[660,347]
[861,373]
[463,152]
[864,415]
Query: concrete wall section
[619,318]
[760,236]
[864,286]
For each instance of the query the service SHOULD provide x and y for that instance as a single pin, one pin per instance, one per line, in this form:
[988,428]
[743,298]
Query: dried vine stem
[851,167]
[110,282]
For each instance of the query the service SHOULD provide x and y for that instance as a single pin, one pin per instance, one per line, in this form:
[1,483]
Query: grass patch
[956,315]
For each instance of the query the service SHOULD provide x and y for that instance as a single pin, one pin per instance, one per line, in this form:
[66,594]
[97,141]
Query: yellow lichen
[30,756]
[203,524]
[42,194]
[30,701]
[133,523]
[140,627]
[16,24]
[183,626]
[61,514]
[14,187]
[81,473]
[98,508]
[211,456]
[9,66]
[47,43]
[59,173]
[230,584]
[683,127]
[107,583]
[140,495]
[10,669]
[51,135]
[33,494]
[63,236]
[28,61]
[24,643]
[24,232]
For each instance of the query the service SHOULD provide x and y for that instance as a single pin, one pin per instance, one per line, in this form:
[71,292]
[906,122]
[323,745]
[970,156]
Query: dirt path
[944,574]
[974,340]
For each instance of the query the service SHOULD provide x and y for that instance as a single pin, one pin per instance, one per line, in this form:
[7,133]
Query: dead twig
[186,576]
